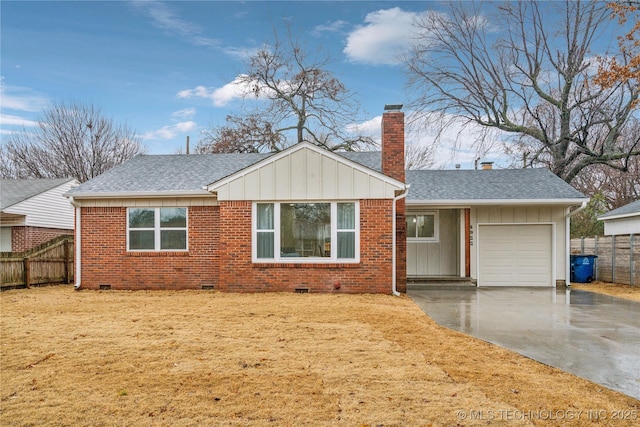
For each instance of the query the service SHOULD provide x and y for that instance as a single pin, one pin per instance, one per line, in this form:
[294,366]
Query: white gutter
[140,195]
[567,238]
[483,202]
[394,291]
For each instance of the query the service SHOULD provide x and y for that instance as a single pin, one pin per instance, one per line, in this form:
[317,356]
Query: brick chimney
[393,141]
[393,166]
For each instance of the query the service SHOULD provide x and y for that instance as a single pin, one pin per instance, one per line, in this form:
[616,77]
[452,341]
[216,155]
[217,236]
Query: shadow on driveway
[593,336]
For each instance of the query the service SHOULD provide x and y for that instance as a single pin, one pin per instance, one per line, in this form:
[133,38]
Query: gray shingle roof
[14,191]
[495,184]
[163,173]
[190,173]
[630,209]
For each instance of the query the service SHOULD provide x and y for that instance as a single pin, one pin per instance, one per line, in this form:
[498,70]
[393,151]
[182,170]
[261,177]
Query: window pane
[141,218]
[346,244]
[265,244]
[346,216]
[265,216]
[411,225]
[141,239]
[426,226]
[305,229]
[173,217]
[173,239]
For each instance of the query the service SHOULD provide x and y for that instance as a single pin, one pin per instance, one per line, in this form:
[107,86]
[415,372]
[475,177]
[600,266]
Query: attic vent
[301,290]
[105,287]
[486,165]
[207,287]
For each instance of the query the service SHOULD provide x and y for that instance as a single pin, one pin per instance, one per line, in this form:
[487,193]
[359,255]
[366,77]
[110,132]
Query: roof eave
[485,202]
[619,216]
[140,194]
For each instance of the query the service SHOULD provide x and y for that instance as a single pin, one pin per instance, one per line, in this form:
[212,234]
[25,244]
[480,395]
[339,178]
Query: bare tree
[298,98]
[71,140]
[533,84]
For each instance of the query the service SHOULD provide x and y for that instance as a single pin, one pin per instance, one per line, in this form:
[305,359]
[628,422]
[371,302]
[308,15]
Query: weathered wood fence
[618,257]
[50,262]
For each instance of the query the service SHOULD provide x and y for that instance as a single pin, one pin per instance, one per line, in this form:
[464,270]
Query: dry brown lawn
[613,289]
[202,358]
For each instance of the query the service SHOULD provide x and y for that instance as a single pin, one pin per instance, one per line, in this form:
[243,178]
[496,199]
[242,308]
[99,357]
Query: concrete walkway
[593,336]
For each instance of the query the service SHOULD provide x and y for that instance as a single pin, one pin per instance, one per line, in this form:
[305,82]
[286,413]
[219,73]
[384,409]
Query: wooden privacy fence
[50,262]
[618,257]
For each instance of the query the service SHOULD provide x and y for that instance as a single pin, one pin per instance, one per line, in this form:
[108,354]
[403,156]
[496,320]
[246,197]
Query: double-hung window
[422,227]
[157,229]
[306,232]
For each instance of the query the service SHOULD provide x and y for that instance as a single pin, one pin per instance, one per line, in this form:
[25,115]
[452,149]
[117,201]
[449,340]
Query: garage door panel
[515,255]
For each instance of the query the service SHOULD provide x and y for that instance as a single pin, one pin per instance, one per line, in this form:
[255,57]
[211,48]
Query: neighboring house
[307,219]
[33,211]
[624,220]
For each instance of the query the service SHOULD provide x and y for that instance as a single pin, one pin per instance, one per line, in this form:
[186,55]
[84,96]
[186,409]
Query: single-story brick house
[307,219]
[33,211]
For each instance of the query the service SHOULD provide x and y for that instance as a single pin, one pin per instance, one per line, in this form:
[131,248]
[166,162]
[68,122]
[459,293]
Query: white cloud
[186,113]
[169,132]
[384,36]
[236,89]
[165,17]
[329,27]
[11,120]
[21,98]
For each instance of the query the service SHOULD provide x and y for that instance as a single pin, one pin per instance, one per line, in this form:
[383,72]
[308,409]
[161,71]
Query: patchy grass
[195,358]
[613,289]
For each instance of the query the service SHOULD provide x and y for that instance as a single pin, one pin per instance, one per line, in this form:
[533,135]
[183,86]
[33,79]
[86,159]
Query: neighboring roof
[14,191]
[469,186]
[632,209]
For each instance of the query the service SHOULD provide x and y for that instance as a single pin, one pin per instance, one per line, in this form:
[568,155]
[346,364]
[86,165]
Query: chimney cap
[393,107]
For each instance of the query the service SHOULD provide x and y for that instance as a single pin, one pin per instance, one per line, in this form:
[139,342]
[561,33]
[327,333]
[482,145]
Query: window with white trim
[157,229]
[306,232]
[422,227]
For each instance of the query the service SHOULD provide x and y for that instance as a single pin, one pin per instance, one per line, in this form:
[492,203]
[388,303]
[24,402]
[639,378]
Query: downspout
[393,241]
[77,242]
[567,236]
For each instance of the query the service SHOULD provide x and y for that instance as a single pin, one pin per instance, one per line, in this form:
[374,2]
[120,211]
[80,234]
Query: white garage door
[515,255]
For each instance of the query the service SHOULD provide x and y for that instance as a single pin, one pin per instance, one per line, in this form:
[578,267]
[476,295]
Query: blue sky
[166,68]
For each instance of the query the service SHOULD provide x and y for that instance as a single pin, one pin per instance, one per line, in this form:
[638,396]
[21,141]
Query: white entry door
[515,255]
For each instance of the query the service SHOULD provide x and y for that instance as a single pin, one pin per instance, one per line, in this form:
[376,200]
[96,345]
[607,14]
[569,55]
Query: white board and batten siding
[49,209]
[519,245]
[306,174]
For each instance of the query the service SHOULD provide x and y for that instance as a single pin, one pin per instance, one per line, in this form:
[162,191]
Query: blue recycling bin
[582,268]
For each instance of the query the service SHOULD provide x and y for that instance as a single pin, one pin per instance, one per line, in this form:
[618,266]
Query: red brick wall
[220,242]
[24,238]
[105,260]
[371,275]
[393,166]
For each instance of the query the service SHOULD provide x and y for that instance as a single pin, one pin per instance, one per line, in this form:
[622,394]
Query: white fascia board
[140,195]
[495,202]
[619,216]
[300,146]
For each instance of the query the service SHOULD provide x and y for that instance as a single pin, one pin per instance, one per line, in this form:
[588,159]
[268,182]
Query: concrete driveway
[593,336]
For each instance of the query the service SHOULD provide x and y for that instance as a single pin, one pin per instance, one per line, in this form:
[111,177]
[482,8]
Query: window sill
[355,264]
[158,254]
